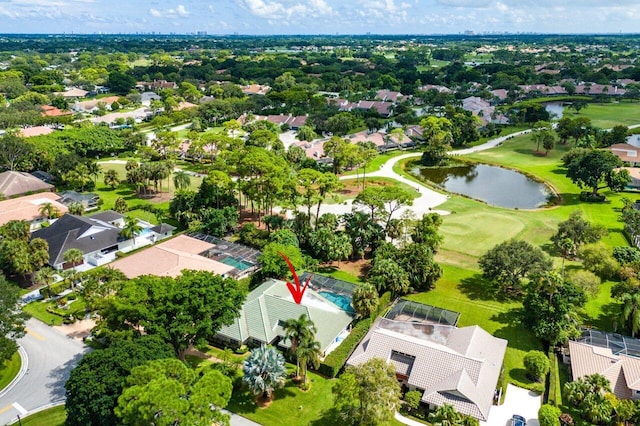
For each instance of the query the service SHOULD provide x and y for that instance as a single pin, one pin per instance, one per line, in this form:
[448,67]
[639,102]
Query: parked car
[517,420]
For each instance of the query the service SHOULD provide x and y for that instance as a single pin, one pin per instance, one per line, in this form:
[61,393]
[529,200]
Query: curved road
[50,357]
[428,199]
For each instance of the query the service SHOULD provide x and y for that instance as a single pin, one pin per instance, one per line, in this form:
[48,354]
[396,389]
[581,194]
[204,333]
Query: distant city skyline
[269,17]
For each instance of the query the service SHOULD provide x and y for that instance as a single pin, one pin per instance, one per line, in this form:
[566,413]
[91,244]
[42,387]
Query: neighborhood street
[50,356]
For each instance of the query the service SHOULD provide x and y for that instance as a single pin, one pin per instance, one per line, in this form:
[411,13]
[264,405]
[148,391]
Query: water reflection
[493,185]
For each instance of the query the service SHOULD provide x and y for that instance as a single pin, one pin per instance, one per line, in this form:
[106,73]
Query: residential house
[612,355]
[35,131]
[28,208]
[389,95]
[269,305]
[255,89]
[170,258]
[15,184]
[97,236]
[43,176]
[147,97]
[51,111]
[446,364]
[294,122]
[72,93]
[627,153]
[155,85]
[92,105]
[89,201]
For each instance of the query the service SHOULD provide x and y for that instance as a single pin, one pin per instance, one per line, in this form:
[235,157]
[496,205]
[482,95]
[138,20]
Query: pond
[555,109]
[493,185]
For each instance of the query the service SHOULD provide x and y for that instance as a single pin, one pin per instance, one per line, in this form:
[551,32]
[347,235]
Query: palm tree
[631,311]
[130,229]
[94,170]
[73,257]
[111,178]
[445,415]
[76,208]
[44,277]
[49,211]
[299,332]
[308,354]
[181,180]
[365,300]
[264,371]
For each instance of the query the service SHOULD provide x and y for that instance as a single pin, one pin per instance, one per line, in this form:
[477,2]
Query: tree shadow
[607,320]
[513,330]
[329,417]
[478,288]
[244,402]
[327,269]
[60,375]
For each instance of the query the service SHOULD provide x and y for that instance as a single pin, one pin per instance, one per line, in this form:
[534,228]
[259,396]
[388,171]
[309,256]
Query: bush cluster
[335,360]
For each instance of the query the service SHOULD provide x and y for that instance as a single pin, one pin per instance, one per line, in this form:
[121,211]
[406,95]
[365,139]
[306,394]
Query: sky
[319,16]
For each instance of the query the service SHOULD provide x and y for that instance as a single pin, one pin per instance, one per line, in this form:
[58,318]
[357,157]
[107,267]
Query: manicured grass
[126,191]
[339,274]
[462,290]
[9,370]
[38,310]
[608,115]
[375,164]
[55,416]
[375,181]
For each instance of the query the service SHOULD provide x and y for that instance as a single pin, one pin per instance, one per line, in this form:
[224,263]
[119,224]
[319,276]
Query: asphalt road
[50,357]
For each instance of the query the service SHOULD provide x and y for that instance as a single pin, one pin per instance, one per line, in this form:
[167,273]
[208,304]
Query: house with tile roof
[269,305]
[622,370]
[448,365]
[97,237]
[627,153]
[15,184]
[28,208]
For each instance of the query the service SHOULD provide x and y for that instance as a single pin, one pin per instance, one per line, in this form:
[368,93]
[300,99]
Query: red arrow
[296,291]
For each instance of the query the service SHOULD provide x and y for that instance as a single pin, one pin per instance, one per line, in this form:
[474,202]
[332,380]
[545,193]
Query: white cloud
[180,10]
[156,13]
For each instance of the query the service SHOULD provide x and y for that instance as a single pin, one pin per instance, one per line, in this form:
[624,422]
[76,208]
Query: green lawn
[9,370]
[55,416]
[127,192]
[38,310]
[462,290]
[608,115]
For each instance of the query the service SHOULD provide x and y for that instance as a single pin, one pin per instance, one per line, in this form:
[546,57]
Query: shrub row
[333,363]
[55,289]
[555,388]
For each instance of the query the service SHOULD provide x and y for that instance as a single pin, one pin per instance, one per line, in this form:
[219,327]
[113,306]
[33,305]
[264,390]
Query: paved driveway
[517,401]
[50,357]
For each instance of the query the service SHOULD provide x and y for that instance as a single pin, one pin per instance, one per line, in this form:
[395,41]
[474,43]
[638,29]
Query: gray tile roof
[271,303]
[107,216]
[84,233]
[458,366]
[163,228]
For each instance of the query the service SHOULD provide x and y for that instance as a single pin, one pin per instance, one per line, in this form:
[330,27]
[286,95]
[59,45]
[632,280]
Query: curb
[35,411]
[24,367]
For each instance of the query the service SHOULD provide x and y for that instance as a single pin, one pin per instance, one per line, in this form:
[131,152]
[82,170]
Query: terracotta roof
[51,111]
[35,131]
[17,183]
[626,152]
[28,207]
[170,258]
[73,93]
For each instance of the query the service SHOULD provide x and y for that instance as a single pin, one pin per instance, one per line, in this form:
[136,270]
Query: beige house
[28,208]
[14,184]
[170,258]
[622,370]
[448,365]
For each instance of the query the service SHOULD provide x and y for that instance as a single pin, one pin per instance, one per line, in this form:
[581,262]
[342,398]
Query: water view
[556,109]
[493,185]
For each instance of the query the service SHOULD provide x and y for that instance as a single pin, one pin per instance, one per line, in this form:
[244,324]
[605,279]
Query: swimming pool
[240,265]
[341,301]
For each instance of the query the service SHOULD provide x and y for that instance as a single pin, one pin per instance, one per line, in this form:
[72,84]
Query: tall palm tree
[299,331]
[111,178]
[44,277]
[264,371]
[73,257]
[130,229]
[181,180]
[49,211]
[308,354]
[631,311]
[94,170]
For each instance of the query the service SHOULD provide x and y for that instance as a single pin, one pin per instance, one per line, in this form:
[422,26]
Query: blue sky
[319,16]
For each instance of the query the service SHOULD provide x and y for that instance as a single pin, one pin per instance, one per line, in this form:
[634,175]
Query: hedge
[333,363]
[383,302]
[55,289]
[555,387]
